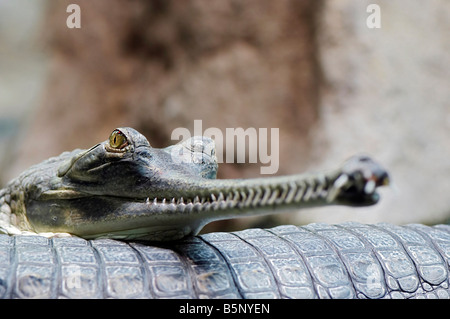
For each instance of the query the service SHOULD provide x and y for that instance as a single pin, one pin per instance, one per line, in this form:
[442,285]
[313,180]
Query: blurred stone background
[311,68]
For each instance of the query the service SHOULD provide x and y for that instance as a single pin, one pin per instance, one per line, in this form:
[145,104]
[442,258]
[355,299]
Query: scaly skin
[123,188]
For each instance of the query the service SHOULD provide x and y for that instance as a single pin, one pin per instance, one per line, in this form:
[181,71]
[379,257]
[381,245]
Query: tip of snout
[362,177]
[370,170]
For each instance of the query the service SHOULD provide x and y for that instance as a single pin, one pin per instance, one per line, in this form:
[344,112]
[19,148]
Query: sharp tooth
[213,197]
[181,207]
[282,197]
[147,201]
[309,192]
[266,195]
[214,206]
[341,181]
[231,204]
[172,201]
[197,207]
[321,186]
[370,187]
[155,201]
[242,198]
[292,190]
[189,207]
[172,207]
[300,192]
[257,197]
[196,199]
[222,205]
[180,201]
[273,197]
[249,199]
[337,187]
[220,197]
[164,201]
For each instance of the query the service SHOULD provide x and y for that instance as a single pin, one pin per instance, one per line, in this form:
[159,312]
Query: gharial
[124,188]
[120,220]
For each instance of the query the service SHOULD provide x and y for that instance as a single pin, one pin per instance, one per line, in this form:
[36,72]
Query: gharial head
[126,165]
[124,188]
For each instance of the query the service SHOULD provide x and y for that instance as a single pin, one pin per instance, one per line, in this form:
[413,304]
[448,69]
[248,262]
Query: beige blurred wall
[313,69]
[387,92]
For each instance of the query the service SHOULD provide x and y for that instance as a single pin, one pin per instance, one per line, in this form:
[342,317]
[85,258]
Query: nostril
[365,159]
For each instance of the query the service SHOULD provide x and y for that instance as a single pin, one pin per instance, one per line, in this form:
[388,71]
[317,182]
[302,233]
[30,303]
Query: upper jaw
[157,177]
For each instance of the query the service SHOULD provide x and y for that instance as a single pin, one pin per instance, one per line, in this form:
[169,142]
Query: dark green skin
[136,191]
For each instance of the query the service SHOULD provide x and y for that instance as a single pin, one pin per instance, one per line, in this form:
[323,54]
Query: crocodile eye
[117,140]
